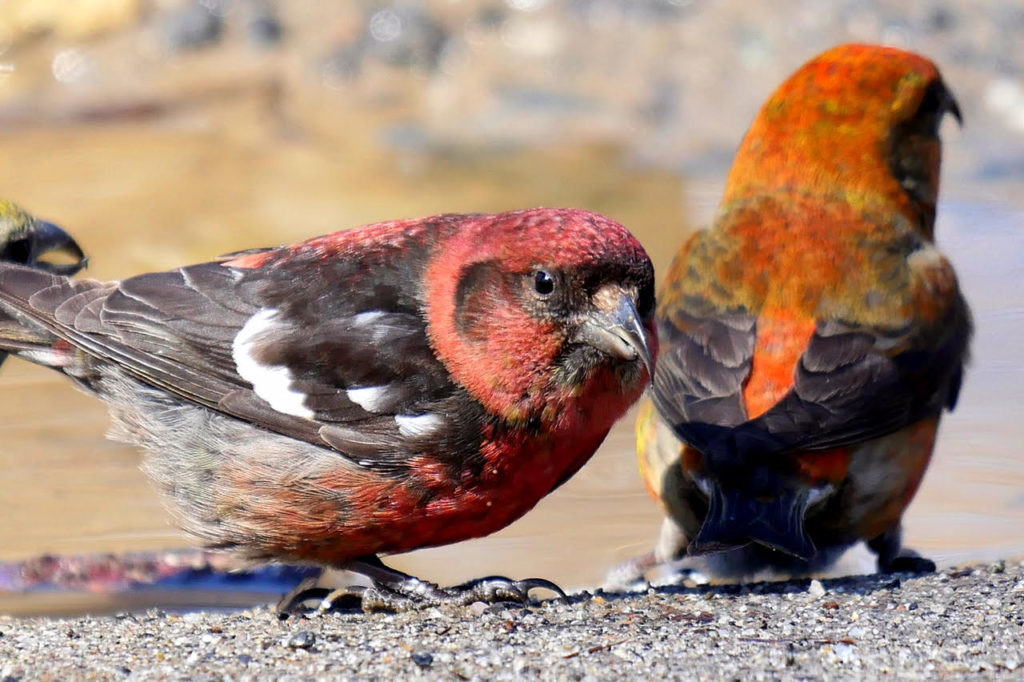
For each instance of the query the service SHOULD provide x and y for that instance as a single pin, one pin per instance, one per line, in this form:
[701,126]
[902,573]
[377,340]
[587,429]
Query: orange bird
[813,335]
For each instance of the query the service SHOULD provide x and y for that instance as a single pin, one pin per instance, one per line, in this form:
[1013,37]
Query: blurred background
[161,132]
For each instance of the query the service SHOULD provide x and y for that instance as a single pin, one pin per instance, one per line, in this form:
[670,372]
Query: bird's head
[531,309]
[859,123]
[27,240]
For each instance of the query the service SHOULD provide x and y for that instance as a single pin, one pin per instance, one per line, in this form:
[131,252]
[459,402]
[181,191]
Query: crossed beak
[615,327]
[48,239]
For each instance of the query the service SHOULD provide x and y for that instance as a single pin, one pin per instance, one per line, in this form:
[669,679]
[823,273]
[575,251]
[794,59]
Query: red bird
[403,385]
[812,337]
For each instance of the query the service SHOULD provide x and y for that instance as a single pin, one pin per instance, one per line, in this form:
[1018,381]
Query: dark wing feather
[704,362]
[337,325]
[850,384]
[850,387]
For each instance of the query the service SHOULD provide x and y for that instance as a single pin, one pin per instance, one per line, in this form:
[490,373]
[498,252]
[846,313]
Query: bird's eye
[645,301]
[543,283]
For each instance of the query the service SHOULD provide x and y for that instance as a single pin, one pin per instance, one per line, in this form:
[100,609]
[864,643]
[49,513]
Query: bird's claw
[368,598]
[391,590]
[496,588]
[909,563]
[893,557]
[307,590]
[416,594]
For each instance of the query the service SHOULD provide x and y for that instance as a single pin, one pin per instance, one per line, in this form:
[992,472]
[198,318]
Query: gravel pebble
[957,623]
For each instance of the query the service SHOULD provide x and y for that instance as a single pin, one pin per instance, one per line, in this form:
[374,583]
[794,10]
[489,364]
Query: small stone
[844,652]
[304,639]
[816,589]
[623,653]
[520,665]
[422,658]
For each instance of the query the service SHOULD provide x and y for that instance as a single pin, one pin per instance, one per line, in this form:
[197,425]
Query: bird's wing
[845,383]
[706,348]
[703,364]
[325,350]
[856,382]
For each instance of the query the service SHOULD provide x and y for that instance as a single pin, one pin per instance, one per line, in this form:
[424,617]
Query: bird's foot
[307,590]
[416,594]
[907,562]
[633,574]
[893,557]
[497,588]
[391,590]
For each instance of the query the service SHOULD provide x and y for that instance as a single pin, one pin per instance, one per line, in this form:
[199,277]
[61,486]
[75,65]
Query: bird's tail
[737,518]
[38,311]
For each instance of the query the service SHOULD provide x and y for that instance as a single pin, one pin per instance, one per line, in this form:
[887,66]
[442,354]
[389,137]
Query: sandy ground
[966,622]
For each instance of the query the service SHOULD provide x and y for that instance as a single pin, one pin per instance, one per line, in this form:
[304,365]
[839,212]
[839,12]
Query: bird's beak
[50,240]
[615,328]
[951,106]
